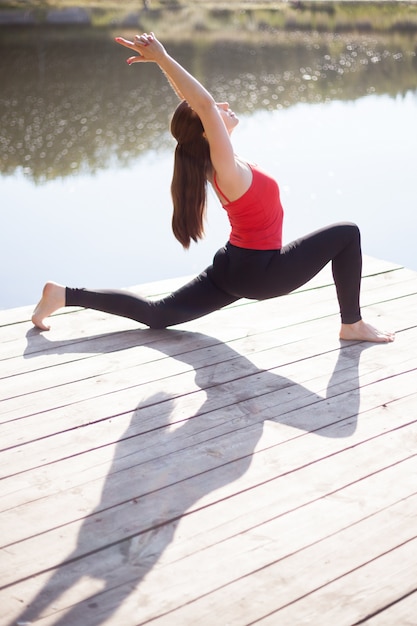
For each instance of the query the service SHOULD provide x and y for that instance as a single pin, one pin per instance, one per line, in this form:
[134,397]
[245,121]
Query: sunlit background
[86,157]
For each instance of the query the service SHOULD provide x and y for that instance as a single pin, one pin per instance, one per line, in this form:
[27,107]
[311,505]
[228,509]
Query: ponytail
[189,181]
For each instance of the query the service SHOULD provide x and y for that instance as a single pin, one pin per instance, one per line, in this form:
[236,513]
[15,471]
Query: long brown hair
[189,181]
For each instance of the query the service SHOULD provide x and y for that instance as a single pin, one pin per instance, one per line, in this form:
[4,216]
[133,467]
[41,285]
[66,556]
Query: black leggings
[243,273]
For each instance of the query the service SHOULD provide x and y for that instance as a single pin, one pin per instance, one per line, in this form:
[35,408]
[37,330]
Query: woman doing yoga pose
[253,264]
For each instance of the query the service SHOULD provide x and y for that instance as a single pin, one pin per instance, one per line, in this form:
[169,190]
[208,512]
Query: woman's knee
[353,229]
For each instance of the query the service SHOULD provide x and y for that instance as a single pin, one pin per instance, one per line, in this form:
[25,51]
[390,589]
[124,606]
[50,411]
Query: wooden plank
[368,588]
[217,470]
[306,482]
[248,598]
[276,529]
[282,386]
[142,358]
[145,364]
[216,400]
[401,611]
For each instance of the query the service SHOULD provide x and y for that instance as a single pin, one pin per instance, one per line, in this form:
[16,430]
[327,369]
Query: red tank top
[256,217]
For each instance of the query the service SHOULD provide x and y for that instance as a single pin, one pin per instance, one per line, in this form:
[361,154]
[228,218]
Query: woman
[253,264]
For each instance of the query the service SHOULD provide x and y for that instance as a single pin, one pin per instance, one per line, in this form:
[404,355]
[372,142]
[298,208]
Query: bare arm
[149,49]
[174,87]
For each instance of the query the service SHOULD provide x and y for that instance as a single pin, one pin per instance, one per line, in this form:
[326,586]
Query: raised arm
[149,49]
[174,87]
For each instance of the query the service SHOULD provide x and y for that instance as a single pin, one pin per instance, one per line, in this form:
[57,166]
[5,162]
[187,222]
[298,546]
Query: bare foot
[361,331]
[53,298]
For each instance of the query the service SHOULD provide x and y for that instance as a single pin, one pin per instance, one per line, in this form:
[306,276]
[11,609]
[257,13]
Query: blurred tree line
[71,104]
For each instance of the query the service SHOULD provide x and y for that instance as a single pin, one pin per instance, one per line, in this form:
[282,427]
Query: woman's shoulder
[230,190]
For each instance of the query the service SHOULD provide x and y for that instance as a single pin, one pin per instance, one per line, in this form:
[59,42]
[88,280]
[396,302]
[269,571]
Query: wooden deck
[244,468]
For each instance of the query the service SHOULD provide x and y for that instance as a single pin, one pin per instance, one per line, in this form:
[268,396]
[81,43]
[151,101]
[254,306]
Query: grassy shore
[183,17]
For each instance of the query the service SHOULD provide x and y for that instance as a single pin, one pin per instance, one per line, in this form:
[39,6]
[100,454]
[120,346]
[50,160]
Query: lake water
[86,159]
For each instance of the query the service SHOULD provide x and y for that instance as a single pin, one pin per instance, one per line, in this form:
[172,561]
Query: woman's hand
[149,49]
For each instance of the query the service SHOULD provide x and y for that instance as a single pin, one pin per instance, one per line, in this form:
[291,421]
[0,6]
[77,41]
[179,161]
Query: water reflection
[71,106]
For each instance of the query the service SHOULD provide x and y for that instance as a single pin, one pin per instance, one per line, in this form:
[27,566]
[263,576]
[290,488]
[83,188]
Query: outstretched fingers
[124,42]
[143,40]
[141,44]
[132,46]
